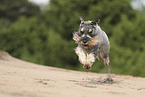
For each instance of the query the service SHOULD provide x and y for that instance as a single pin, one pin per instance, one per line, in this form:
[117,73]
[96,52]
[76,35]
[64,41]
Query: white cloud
[40,1]
[138,4]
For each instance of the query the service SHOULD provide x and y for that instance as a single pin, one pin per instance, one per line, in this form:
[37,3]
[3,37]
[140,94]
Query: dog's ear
[95,22]
[81,18]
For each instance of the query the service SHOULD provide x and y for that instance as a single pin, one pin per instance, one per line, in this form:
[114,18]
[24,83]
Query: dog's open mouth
[85,45]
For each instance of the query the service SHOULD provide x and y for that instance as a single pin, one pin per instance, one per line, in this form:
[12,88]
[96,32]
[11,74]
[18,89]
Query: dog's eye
[90,31]
[91,34]
[82,23]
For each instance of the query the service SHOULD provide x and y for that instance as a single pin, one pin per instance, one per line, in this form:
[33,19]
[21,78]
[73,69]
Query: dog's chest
[88,49]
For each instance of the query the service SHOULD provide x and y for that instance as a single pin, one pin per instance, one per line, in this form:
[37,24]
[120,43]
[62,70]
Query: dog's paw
[87,67]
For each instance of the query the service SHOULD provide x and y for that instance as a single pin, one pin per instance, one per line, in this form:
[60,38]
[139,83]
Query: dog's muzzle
[85,41]
[85,44]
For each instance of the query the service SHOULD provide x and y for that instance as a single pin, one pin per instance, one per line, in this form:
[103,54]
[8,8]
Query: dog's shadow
[103,81]
[93,83]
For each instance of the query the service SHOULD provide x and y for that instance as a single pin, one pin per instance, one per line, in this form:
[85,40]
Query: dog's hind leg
[99,57]
[97,53]
[104,52]
[106,61]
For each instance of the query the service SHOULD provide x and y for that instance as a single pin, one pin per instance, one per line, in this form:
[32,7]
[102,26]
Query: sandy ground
[23,79]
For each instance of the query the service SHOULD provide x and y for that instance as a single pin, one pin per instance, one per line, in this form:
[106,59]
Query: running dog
[92,43]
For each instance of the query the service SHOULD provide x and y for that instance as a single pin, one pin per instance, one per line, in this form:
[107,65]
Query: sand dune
[23,79]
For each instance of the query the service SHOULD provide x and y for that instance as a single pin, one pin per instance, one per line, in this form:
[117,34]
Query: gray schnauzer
[92,43]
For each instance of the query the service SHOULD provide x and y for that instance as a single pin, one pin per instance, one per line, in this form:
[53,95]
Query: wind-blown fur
[92,43]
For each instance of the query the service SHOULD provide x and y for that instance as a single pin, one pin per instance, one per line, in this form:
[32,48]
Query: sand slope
[22,79]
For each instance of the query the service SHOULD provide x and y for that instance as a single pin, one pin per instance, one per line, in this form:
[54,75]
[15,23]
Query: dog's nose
[84,41]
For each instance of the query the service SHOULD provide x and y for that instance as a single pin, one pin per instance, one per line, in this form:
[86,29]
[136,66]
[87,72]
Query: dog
[92,43]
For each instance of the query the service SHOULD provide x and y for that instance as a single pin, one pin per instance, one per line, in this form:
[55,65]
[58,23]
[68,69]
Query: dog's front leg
[81,54]
[90,59]
[85,58]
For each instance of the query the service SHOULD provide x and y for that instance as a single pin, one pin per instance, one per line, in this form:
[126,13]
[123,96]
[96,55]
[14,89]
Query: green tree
[13,9]
[63,14]
[31,40]
[127,39]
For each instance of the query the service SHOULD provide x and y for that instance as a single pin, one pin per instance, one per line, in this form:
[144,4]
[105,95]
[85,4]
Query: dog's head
[86,33]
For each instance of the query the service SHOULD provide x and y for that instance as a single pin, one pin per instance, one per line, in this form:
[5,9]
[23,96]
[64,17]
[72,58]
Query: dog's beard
[86,46]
